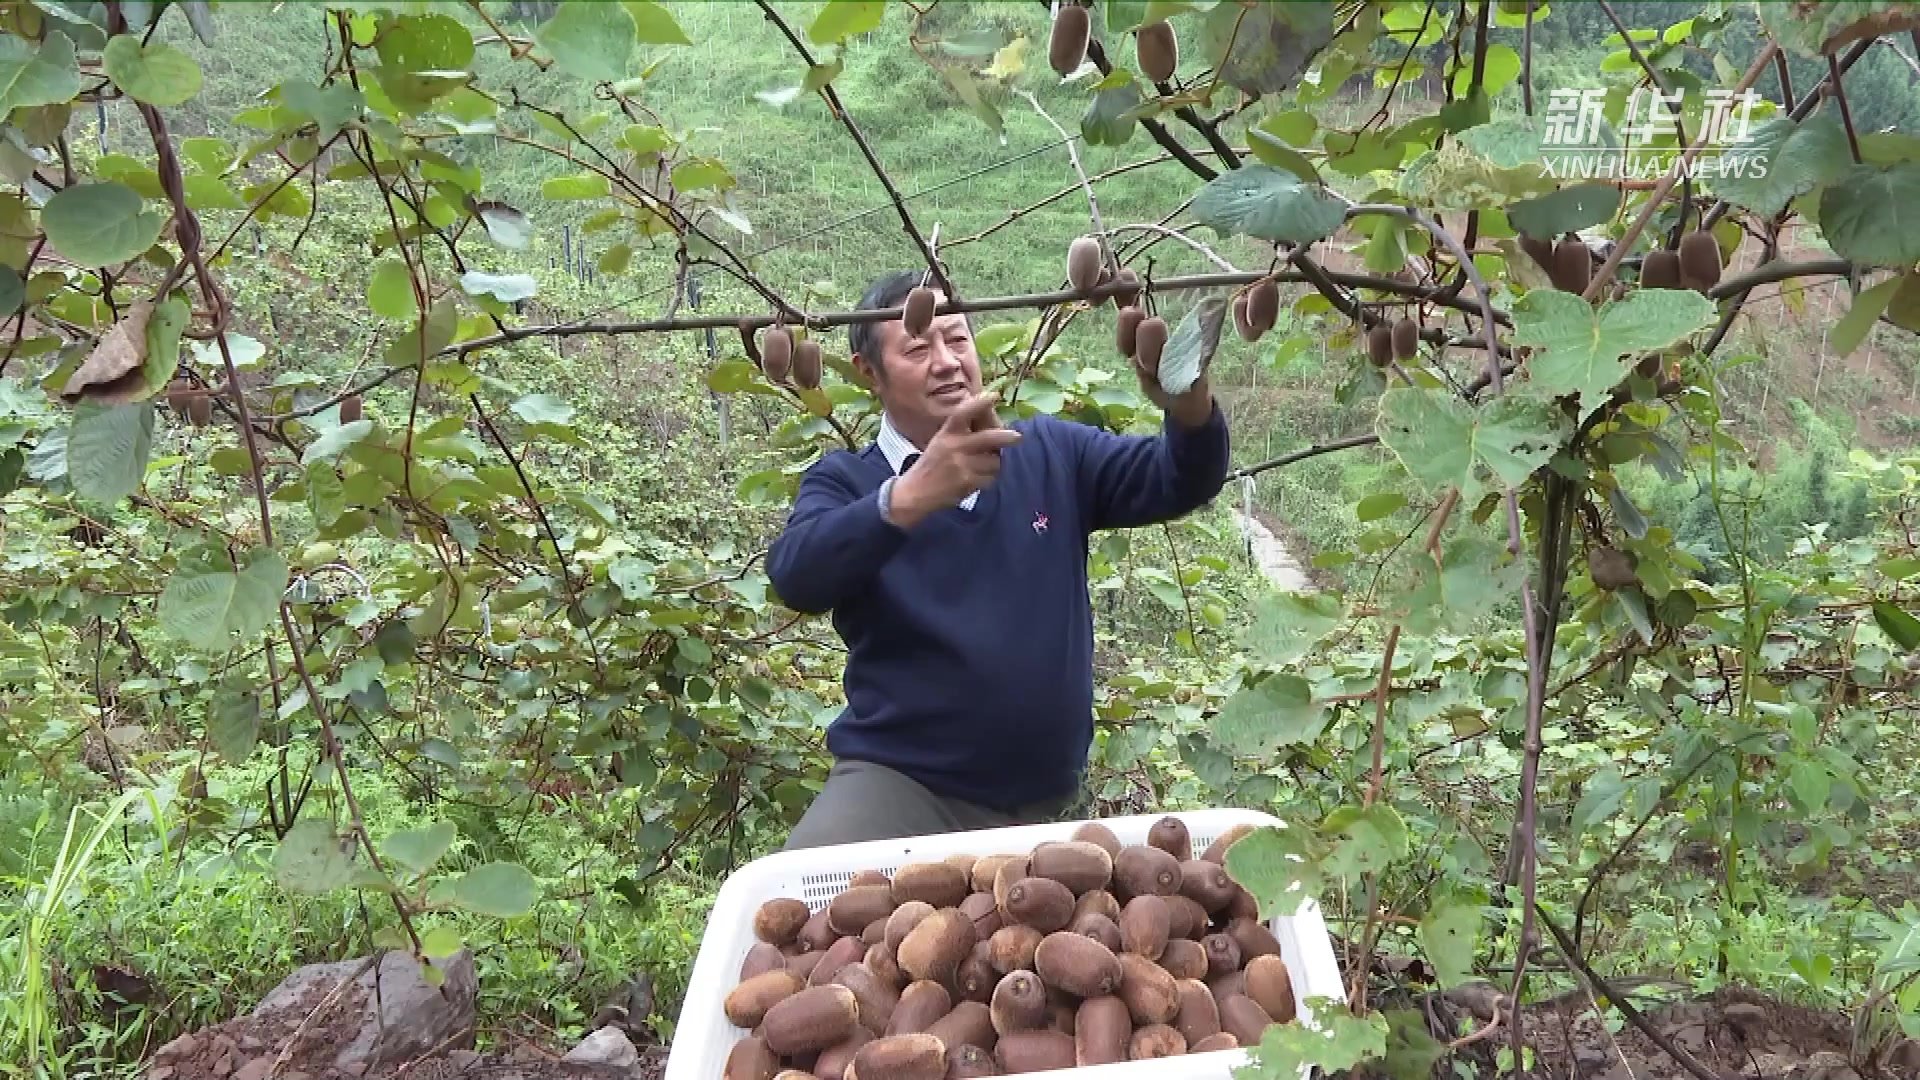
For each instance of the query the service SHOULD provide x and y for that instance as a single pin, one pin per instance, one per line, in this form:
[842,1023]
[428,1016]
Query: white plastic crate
[703,1036]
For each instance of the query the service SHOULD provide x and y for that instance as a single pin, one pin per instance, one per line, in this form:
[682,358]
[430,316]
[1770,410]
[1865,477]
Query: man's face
[926,378]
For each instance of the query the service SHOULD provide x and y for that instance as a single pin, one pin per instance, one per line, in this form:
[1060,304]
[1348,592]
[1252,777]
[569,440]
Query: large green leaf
[419,849]
[157,74]
[100,224]
[506,288]
[36,74]
[1444,442]
[842,19]
[1823,26]
[592,41]
[107,449]
[334,440]
[1369,838]
[1897,624]
[330,107]
[1278,866]
[1568,210]
[1871,214]
[1277,711]
[1782,159]
[653,24]
[1110,117]
[313,858]
[1268,203]
[212,603]
[1449,934]
[1266,47]
[1336,1043]
[233,720]
[1286,625]
[500,889]
[1191,346]
[1584,351]
[1852,328]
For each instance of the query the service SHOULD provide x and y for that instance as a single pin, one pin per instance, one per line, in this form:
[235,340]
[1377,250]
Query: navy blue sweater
[970,636]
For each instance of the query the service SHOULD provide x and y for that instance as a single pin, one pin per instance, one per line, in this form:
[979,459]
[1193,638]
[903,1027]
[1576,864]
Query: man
[952,553]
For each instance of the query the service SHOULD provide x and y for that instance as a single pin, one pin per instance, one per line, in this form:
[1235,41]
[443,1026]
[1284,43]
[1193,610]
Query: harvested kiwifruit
[1063,1007]
[1699,261]
[1101,1028]
[1099,928]
[1244,1019]
[1217,851]
[869,877]
[795,1074]
[1271,987]
[1019,1003]
[854,908]
[916,315]
[1156,1041]
[776,353]
[1010,873]
[1206,884]
[881,961]
[1242,906]
[848,950]
[1125,326]
[811,1020]
[1406,338]
[1097,902]
[1185,917]
[1540,248]
[807,365]
[1034,1051]
[802,964]
[1152,995]
[1077,964]
[1263,307]
[760,959]
[1129,281]
[1222,1041]
[917,1056]
[1149,341]
[975,977]
[933,950]
[1611,568]
[200,410]
[1170,835]
[1158,50]
[1223,955]
[987,867]
[963,863]
[1143,926]
[833,1061]
[1080,865]
[1227,985]
[1042,903]
[1141,868]
[939,884]
[1198,1015]
[1380,345]
[984,912]
[875,933]
[751,1060]
[1253,937]
[1660,270]
[748,1002]
[969,1024]
[1067,47]
[1011,947]
[350,408]
[920,1004]
[1184,958]
[1572,266]
[903,920]
[1083,263]
[876,998]
[966,1061]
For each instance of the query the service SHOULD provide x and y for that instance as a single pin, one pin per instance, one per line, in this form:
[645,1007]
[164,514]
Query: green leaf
[1370,839]
[1782,159]
[1584,351]
[1852,328]
[1296,127]
[326,495]
[107,449]
[506,288]
[333,440]
[1449,934]
[1444,442]
[157,74]
[1190,348]
[233,721]
[1903,628]
[543,409]
[1600,799]
[1336,1043]
[696,174]
[1502,67]
[419,849]
[1271,45]
[1634,603]
[1871,214]
[1286,625]
[842,19]
[1412,1051]
[211,603]
[1281,156]
[1110,117]
[441,942]
[1570,209]
[1268,203]
[13,291]
[420,344]
[653,24]
[500,889]
[390,290]
[1277,865]
[1375,507]
[1277,711]
[506,226]
[577,186]
[1812,785]
[31,74]
[330,107]
[313,859]
[593,41]
[100,224]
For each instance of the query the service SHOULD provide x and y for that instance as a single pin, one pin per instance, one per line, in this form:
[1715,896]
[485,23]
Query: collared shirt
[898,449]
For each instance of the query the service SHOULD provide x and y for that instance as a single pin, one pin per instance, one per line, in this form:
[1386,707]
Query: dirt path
[1269,552]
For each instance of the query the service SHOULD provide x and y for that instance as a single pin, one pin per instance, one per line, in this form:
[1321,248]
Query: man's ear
[869,375]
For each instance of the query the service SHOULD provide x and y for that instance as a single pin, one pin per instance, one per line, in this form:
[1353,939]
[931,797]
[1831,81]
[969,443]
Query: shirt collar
[894,445]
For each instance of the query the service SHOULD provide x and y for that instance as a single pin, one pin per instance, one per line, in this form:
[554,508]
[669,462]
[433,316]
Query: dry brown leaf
[113,373]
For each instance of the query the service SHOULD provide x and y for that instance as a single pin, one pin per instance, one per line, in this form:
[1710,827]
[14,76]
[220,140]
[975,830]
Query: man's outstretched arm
[1134,480]
[834,543]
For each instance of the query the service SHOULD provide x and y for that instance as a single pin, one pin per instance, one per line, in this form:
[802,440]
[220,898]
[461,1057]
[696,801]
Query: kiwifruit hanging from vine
[1149,341]
[1158,50]
[179,395]
[1067,48]
[350,408]
[918,313]
[1572,267]
[1129,282]
[1126,330]
[1539,248]
[1240,324]
[1699,261]
[1263,307]
[776,353]
[1611,568]
[1406,338]
[1380,345]
[1660,270]
[1649,366]
[1083,263]
[200,410]
[806,364]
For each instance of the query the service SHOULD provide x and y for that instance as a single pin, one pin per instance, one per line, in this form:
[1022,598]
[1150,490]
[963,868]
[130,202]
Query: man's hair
[887,291]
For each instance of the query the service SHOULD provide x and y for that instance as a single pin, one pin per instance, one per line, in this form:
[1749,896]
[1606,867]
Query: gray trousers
[864,801]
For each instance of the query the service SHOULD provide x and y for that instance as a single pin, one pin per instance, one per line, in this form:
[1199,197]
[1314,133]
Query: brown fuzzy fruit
[1157,50]
[1034,1051]
[934,949]
[1660,270]
[875,933]
[1042,903]
[975,977]
[776,353]
[876,998]
[1099,928]
[1223,955]
[848,950]
[1206,884]
[1101,1027]
[802,964]
[881,961]
[1380,346]
[200,410]
[751,1060]
[1572,266]
[833,1061]
[1263,306]
[917,314]
[868,877]
[1129,281]
[969,1024]
[1143,926]
[1184,958]
[987,868]
[1125,326]
[1198,1015]
[900,1057]
[1004,881]
[1240,324]
[1210,1044]
[1244,1019]
[1011,948]
[854,908]
[1019,1003]
[350,410]
[1142,869]
[1217,851]
[1156,1041]
[1097,902]
[1077,964]
[903,920]
[1271,987]
[1406,338]
[1083,263]
[1611,568]
[1185,917]
[1149,341]
[807,365]
[1170,835]
[1253,937]
[984,912]
[919,1006]
[760,959]
[811,1020]
[1152,995]
[939,884]
[1067,47]
[1539,248]
[1699,260]
[1079,865]
[747,1004]
[966,1061]
[1227,986]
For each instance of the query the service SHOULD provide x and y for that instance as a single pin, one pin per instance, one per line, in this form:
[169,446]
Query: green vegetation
[332,621]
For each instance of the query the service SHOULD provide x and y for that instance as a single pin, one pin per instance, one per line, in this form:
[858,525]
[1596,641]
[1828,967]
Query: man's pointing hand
[963,457]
